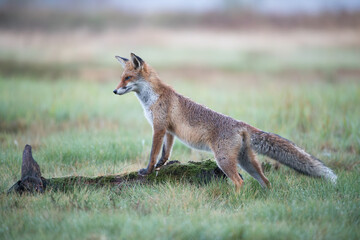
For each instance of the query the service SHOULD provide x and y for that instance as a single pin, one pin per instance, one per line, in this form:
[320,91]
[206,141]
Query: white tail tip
[331,177]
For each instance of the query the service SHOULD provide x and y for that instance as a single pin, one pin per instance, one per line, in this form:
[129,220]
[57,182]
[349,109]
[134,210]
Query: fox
[234,143]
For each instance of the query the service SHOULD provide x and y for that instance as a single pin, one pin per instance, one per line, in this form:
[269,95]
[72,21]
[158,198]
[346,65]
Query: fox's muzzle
[123,90]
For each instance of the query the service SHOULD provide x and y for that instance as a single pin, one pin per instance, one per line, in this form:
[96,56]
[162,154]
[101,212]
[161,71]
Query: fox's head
[133,76]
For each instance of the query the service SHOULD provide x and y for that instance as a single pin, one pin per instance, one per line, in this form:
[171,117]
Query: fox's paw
[143,172]
[159,165]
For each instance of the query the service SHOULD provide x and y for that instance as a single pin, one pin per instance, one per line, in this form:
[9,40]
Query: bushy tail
[287,153]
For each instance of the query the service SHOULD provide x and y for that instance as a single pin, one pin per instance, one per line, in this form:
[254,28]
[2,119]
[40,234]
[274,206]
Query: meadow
[56,95]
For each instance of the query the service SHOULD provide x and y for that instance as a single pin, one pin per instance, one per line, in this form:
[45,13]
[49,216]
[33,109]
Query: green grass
[307,60]
[81,128]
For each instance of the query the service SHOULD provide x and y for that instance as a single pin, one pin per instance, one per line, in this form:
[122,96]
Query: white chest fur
[147,98]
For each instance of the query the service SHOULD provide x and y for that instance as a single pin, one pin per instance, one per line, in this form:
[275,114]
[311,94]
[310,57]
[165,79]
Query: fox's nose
[115,91]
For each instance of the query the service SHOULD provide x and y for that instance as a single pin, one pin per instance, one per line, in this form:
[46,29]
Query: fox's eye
[127,78]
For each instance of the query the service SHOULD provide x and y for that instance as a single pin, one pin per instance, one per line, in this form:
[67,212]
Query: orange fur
[231,141]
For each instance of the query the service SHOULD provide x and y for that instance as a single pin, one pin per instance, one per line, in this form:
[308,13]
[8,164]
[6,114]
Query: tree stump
[193,172]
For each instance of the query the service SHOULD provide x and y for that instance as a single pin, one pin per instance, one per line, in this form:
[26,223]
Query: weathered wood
[193,172]
[31,179]
[29,167]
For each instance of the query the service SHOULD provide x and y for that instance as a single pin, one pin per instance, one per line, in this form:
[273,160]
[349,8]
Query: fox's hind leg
[227,162]
[248,162]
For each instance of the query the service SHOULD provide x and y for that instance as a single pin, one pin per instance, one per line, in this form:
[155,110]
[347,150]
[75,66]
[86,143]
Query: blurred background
[287,67]
[291,67]
[54,39]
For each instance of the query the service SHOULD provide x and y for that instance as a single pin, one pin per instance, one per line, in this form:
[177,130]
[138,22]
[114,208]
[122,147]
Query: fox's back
[197,125]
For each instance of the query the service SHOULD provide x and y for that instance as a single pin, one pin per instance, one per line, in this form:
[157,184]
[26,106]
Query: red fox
[232,142]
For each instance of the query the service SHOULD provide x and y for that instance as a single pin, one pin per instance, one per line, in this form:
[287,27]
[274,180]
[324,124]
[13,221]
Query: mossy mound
[193,172]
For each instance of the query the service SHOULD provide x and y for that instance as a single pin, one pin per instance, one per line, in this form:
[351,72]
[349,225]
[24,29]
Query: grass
[78,127]
[92,132]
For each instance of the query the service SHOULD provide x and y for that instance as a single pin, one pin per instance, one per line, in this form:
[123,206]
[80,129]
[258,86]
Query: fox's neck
[147,95]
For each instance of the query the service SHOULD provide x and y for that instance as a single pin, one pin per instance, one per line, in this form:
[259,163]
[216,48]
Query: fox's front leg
[166,151]
[158,137]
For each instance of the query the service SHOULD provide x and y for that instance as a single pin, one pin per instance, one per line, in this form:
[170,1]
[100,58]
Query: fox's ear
[136,61]
[122,60]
